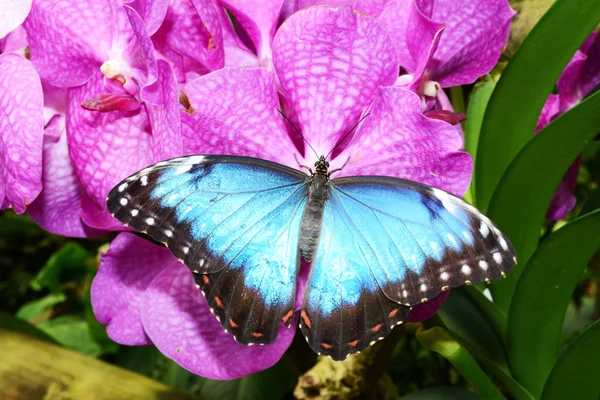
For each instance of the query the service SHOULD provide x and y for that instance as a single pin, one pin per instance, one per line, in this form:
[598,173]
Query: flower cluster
[96,90]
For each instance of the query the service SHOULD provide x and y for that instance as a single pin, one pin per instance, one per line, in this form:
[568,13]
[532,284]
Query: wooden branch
[34,369]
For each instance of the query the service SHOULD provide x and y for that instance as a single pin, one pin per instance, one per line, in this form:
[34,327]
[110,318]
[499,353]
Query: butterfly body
[376,245]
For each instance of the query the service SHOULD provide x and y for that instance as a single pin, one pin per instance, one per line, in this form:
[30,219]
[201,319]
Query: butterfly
[376,245]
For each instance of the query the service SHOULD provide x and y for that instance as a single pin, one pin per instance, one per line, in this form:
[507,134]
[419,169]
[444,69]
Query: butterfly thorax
[312,219]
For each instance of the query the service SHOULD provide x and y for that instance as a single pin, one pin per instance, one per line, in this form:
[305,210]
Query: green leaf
[575,376]
[523,196]
[521,92]
[37,308]
[273,383]
[541,298]
[441,341]
[442,393]
[14,324]
[70,263]
[73,333]
[464,319]
[140,359]
[475,111]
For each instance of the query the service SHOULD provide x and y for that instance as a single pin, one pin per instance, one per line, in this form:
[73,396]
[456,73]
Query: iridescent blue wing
[234,221]
[385,243]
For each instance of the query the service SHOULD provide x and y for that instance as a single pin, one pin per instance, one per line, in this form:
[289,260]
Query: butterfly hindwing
[420,240]
[234,221]
[388,244]
[344,311]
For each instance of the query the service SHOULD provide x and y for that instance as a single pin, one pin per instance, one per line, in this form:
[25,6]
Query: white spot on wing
[465,269]
[168,233]
[423,287]
[150,221]
[483,229]
[497,258]
[502,242]
[123,186]
[185,249]
[483,265]
[444,276]
[446,200]
[144,180]
[123,201]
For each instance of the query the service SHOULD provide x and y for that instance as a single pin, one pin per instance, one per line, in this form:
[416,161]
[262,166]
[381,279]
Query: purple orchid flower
[579,78]
[333,66]
[13,14]
[130,113]
[21,132]
[440,43]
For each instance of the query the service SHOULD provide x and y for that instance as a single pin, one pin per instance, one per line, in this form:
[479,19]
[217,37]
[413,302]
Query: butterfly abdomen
[312,219]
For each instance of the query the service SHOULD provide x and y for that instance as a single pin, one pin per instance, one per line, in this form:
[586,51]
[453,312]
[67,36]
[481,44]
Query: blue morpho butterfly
[377,245]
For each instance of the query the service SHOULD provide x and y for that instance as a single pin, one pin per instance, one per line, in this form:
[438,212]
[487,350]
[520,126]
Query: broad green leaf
[11,323]
[464,319]
[541,298]
[273,383]
[521,92]
[575,375]
[523,196]
[70,263]
[442,393]
[441,341]
[475,111]
[73,333]
[494,315]
[39,307]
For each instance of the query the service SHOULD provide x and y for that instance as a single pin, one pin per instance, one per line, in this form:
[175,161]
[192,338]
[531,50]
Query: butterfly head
[322,166]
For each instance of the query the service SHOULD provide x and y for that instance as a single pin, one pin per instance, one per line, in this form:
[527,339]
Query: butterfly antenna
[346,135]
[297,130]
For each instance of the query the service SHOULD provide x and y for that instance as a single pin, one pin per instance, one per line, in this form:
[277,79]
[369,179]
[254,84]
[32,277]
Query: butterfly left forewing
[234,221]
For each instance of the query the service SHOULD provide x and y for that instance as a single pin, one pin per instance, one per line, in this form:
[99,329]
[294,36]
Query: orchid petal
[330,62]
[177,319]
[21,132]
[13,14]
[396,139]
[125,272]
[259,18]
[237,112]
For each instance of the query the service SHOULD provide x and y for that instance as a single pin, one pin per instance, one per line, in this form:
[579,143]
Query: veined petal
[69,41]
[117,292]
[192,28]
[152,12]
[396,139]
[58,207]
[475,35]
[162,103]
[21,132]
[13,14]
[105,147]
[259,18]
[424,311]
[237,112]
[177,319]
[330,62]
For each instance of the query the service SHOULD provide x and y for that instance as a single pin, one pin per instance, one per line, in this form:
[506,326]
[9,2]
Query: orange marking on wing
[326,346]
[376,327]
[287,316]
[219,302]
[393,313]
[305,319]
[257,334]
[233,324]
[205,279]
[353,344]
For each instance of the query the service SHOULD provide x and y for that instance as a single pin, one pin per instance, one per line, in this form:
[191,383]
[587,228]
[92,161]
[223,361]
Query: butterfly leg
[338,169]
[302,165]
